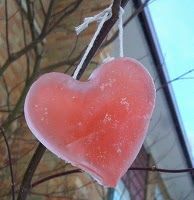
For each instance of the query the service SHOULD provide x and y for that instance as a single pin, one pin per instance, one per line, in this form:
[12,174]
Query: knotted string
[101,17]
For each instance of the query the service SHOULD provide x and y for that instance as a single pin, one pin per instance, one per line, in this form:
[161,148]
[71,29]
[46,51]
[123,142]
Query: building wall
[136,181]
[145,185]
[156,189]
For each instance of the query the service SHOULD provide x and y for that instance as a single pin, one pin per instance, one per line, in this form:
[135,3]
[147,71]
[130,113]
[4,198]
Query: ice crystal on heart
[107,118]
[107,84]
[125,102]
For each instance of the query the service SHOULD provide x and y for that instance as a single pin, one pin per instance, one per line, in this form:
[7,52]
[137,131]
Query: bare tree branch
[47,17]
[25,186]
[175,79]
[7,28]
[153,169]
[66,12]
[14,56]
[56,65]
[31,19]
[10,164]
[42,8]
[7,93]
[55,176]
[25,44]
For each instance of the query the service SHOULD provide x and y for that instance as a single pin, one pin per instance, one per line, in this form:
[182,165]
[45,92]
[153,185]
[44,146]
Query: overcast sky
[174,23]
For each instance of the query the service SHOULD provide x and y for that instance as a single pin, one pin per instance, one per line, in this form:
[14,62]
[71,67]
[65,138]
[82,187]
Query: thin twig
[55,176]
[13,15]
[21,156]
[14,56]
[154,168]
[10,163]
[7,93]
[69,8]
[7,28]
[30,18]
[15,86]
[175,79]
[5,111]
[42,7]
[58,64]
[25,44]
[47,17]
[66,12]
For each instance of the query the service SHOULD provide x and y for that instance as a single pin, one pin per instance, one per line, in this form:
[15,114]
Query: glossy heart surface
[98,125]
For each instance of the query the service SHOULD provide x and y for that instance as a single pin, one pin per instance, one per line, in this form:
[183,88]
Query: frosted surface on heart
[98,125]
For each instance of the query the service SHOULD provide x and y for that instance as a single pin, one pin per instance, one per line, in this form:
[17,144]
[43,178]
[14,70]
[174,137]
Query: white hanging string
[96,18]
[121,12]
[101,17]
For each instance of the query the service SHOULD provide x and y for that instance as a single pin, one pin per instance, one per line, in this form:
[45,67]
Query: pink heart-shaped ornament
[98,125]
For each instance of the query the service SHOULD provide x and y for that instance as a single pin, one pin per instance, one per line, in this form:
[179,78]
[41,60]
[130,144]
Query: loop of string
[100,18]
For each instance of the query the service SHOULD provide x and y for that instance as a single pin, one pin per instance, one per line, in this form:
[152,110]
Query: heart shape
[98,125]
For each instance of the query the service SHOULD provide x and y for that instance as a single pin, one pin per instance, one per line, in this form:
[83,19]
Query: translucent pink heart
[98,125]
